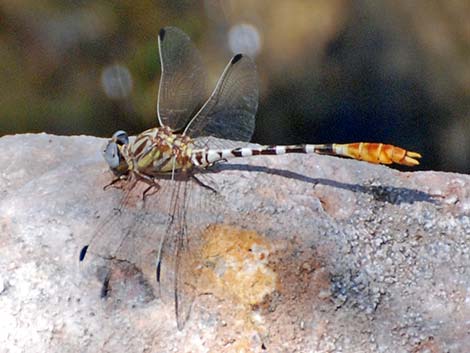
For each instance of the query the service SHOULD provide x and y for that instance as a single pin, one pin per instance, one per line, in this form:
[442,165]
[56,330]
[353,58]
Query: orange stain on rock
[265,291]
[236,270]
[236,265]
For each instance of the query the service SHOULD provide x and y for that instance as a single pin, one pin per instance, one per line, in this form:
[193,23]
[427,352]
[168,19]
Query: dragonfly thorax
[159,150]
[154,152]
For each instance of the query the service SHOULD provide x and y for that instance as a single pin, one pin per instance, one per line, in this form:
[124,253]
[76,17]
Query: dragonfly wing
[230,110]
[118,251]
[183,82]
[177,280]
[180,256]
[185,285]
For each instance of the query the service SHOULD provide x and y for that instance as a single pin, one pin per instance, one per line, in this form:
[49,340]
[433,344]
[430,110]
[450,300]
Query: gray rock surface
[292,254]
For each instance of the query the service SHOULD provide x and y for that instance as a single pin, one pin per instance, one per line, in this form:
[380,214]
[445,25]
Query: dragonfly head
[115,153]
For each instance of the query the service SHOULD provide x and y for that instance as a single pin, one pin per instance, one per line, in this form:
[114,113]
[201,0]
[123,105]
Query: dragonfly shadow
[388,194]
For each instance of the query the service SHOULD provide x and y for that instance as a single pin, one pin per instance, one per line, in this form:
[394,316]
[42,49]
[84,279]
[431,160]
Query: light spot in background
[61,32]
[244,38]
[116,81]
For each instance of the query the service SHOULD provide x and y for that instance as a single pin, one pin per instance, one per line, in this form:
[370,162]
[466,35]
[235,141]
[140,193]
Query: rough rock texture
[292,254]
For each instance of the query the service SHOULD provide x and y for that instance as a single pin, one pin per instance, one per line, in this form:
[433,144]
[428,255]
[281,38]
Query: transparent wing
[181,257]
[230,110]
[183,83]
[217,143]
[123,247]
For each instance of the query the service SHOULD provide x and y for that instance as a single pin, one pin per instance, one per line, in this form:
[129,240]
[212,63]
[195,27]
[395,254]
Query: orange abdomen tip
[380,153]
[400,156]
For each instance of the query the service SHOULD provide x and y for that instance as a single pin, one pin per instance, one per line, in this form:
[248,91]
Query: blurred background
[393,71]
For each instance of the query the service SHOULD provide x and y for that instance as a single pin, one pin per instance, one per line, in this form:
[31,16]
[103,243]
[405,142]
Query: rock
[292,253]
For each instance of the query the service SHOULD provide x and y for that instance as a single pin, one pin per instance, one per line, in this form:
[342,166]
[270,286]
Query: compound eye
[111,155]
[121,138]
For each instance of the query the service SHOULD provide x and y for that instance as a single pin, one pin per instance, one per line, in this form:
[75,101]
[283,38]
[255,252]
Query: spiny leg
[204,185]
[113,182]
[156,186]
[150,181]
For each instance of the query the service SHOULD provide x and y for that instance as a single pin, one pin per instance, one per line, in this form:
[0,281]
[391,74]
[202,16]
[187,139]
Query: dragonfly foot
[114,182]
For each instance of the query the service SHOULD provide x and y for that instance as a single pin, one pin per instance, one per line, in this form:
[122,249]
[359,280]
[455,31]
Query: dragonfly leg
[210,165]
[204,185]
[114,182]
[150,181]
[156,186]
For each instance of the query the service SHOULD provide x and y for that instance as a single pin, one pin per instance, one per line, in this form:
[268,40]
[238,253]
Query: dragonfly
[178,146]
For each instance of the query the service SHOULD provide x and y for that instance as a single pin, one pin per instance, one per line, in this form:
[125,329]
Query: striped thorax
[154,152]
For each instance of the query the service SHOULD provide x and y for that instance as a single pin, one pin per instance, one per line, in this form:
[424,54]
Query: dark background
[330,70]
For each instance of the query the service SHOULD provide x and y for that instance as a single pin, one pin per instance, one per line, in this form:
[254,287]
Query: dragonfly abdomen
[370,152]
[207,157]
